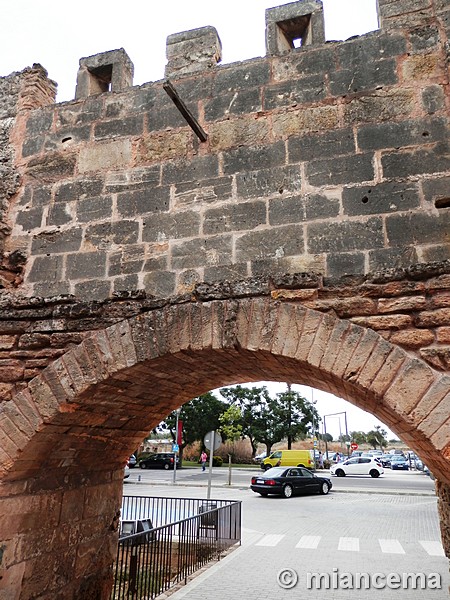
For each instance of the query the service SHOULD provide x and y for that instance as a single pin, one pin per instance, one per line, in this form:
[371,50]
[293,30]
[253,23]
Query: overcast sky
[57,35]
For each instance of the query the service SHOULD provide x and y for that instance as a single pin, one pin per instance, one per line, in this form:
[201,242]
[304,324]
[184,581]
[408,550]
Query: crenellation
[305,236]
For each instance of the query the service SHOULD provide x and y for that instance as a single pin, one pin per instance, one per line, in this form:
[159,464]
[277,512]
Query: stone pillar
[192,51]
[293,25]
[443,492]
[59,544]
[404,13]
[104,72]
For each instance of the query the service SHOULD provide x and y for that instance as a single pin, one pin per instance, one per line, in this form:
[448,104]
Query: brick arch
[70,430]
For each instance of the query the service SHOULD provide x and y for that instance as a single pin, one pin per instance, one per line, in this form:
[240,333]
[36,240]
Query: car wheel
[340,473]
[287,491]
[142,465]
[301,466]
[267,467]
[324,488]
[374,473]
[167,467]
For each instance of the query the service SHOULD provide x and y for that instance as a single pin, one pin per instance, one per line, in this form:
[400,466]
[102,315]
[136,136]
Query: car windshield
[275,472]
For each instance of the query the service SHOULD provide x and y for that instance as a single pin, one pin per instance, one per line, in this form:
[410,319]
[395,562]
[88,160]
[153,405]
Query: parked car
[159,460]
[385,460]
[287,481]
[259,457]
[289,458]
[132,461]
[399,462]
[362,465]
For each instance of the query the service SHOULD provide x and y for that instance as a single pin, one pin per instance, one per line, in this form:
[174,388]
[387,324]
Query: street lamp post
[176,453]
[325,428]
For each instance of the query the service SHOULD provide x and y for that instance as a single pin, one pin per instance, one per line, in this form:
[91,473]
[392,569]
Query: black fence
[164,540]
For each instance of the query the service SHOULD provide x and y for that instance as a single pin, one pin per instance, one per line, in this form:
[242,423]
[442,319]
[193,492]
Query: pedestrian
[203,459]
[320,460]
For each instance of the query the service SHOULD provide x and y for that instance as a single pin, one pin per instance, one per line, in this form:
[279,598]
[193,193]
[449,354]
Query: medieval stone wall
[330,158]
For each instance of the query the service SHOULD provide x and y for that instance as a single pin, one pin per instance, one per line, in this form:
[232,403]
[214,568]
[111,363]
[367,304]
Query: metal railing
[164,540]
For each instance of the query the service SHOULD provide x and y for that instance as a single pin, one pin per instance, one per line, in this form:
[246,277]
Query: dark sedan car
[399,462]
[385,460]
[160,460]
[287,481]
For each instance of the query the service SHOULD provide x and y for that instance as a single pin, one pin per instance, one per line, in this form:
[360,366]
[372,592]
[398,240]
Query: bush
[217,461]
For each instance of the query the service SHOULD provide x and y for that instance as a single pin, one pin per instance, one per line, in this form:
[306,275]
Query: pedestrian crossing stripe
[348,544]
[270,540]
[433,548]
[351,544]
[391,547]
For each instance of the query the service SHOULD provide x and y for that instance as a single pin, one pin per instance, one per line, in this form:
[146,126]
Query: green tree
[200,415]
[268,420]
[359,437]
[377,437]
[231,423]
[326,437]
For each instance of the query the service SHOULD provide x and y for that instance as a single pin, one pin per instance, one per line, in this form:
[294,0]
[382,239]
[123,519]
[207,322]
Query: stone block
[399,135]
[313,146]
[103,72]
[73,190]
[301,65]
[294,24]
[160,283]
[345,236]
[55,242]
[192,51]
[143,201]
[86,265]
[236,103]
[276,242]
[127,126]
[238,131]
[106,156]
[55,165]
[341,170]
[207,191]
[433,98]
[321,206]
[291,93]
[380,198]
[94,209]
[278,182]
[418,228]
[164,227]
[59,214]
[202,252]
[388,258]
[436,189]
[164,146]
[237,217]
[312,119]
[32,145]
[30,219]
[370,76]
[93,290]
[104,235]
[252,159]
[345,264]
[202,167]
[283,211]
[240,77]
[382,105]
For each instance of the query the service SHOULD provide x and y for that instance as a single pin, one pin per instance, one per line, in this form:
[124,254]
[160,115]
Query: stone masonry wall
[330,158]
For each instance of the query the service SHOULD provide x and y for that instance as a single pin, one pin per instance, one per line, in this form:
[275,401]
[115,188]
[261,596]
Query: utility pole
[289,439]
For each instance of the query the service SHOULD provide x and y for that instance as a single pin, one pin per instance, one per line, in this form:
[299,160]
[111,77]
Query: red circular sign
[354,446]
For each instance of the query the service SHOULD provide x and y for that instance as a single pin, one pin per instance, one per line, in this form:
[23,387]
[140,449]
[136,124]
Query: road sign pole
[211,452]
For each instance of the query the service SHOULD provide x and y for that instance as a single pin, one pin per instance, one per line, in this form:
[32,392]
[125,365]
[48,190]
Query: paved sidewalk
[337,534]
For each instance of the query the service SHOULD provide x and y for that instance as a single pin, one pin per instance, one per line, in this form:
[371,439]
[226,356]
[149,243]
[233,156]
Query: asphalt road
[400,482]
[375,531]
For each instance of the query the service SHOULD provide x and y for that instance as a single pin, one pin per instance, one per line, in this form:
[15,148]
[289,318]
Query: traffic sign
[175,447]
[354,446]
[208,440]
